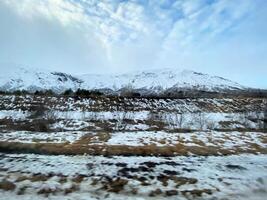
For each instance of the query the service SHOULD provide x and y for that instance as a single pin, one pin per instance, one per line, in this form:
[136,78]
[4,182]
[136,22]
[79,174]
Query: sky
[227,38]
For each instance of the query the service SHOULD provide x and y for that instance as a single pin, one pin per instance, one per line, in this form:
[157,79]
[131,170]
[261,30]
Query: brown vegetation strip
[124,150]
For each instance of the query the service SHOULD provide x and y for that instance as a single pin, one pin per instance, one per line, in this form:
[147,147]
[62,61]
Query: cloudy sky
[220,37]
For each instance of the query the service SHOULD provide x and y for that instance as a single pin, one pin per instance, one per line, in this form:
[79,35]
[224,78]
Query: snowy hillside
[19,78]
[159,80]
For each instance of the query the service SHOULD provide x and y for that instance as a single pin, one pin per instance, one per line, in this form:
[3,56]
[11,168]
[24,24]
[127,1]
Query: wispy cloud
[128,34]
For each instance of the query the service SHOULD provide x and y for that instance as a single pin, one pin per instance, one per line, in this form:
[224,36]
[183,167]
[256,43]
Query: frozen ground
[210,142]
[229,132]
[130,119]
[42,137]
[96,177]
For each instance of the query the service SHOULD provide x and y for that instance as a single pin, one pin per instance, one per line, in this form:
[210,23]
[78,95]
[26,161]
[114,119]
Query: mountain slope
[158,80]
[18,78]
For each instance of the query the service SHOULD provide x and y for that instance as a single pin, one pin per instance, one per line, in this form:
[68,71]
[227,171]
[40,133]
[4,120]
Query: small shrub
[68,92]
[38,111]
[88,93]
[41,126]
[44,93]
[42,118]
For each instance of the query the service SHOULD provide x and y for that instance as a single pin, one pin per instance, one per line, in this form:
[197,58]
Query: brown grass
[73,188]
[110,150]
[116,185]
[7,185]
[96,138]
[47,191]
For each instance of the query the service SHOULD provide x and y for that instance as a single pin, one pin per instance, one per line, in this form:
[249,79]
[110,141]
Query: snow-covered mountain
[158,80]
[19,78]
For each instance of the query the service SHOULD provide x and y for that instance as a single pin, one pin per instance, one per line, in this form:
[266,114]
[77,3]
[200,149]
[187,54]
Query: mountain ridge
[156,81]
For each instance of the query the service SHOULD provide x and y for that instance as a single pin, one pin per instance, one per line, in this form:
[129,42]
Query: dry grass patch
[115,185]
[7,185]
[47,191]
[87,139]
[93,145]
[78,179]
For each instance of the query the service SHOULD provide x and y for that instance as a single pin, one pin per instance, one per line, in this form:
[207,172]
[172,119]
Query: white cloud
[123,35]
[64,11]
[129,21]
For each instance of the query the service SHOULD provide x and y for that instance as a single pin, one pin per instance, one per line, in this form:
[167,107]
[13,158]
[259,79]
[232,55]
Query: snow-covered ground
[220,142]
[42,137]
[190,128]
[197,120]
[14,114]
[224,177]
[211,138]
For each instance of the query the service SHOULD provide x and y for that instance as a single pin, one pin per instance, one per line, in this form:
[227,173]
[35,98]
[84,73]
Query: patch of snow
[42,137]
[14,114]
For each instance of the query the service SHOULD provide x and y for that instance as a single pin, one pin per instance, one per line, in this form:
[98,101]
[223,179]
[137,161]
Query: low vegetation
[129,92]
[174,143]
